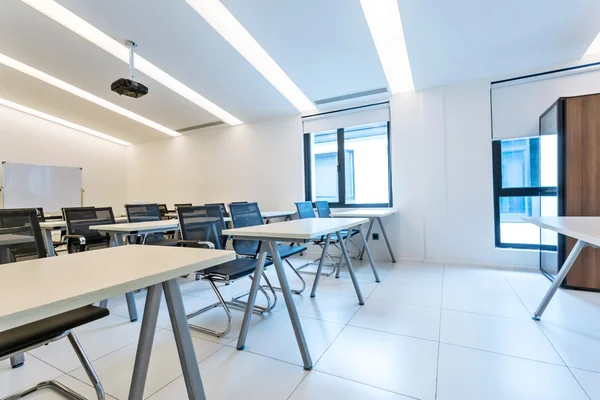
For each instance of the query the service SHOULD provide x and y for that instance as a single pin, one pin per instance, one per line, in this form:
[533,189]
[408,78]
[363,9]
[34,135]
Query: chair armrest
[193,243]
[78,237]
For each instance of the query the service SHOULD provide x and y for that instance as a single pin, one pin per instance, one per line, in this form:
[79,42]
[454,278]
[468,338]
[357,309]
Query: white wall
[27,139]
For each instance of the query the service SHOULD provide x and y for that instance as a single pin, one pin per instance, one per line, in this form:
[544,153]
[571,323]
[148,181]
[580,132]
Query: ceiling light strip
[26,69]
[78,25]
[219,17]
[385,24]
[56,120]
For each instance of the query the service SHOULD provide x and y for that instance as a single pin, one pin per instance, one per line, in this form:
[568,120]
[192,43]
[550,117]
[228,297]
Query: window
[519,191]
[353,161]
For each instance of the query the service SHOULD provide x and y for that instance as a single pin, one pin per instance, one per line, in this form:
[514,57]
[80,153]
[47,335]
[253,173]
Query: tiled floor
[427,331]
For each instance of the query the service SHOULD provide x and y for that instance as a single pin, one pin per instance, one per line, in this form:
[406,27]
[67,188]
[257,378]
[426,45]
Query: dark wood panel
[582,180]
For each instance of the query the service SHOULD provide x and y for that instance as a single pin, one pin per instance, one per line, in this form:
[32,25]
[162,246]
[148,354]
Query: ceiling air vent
[195,127]
[351,96]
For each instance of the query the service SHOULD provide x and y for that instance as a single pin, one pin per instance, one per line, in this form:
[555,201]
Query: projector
[128,87]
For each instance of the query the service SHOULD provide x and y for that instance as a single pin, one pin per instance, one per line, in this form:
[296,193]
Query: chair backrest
[323,209]
[221,206]
[242,215]
[163,210]
[40,214]
[142,212]
[305,209]
[202,223]
[21,222]
[182,205]
[79,220]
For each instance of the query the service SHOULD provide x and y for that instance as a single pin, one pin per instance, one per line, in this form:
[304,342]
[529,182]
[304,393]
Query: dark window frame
[341,203]
[500,192]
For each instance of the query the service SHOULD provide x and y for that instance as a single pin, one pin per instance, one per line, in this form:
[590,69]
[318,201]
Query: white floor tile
[230,374]
[590,382]
[403,319]
[501,305]
[579,348]
[343,287]
[116,368]
[326,307]
[275,338]
[420,295]
[397,363]
[320,386]
[513,337]
[33,372]
[98,339]
[414,276]
[478,283]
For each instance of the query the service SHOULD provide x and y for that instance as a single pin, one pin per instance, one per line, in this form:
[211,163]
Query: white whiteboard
[50,187]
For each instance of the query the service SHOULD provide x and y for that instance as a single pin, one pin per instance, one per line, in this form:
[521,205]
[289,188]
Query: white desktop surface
[365,213]
[581,228]
[265,215]
[134,227]
[44,287]
[60,224]
[7,240]
[297,229]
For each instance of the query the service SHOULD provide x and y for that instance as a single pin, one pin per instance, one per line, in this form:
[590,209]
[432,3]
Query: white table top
[6,240]
[138,227]
[365,213]
[582,228]
[36,289]
[265,215]
[304,229]
[60,224]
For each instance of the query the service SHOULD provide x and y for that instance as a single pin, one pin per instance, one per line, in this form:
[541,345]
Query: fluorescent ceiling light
[594,47]
[219,17]
[62,122]
[26,69]
[383,18]
[71,21]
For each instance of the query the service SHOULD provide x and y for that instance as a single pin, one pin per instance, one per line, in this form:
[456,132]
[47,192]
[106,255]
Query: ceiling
[324,46]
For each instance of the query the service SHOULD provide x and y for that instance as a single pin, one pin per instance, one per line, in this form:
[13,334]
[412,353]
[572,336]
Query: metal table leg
[559,278]
[371,223]
[48,242]
[387,241]
[361,300]
[183,340]
[144,349]
[291,306]
[17,361]
[313,292]
[366,246]
[116,239]
[339,265]
[260,265]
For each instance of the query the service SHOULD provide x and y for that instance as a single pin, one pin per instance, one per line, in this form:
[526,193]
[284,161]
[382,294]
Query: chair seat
[26,336]
[231,270]
[287,251]
[161,241]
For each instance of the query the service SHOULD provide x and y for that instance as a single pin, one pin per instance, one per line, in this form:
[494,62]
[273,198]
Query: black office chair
[15,342]
[248,214]
[202,226]
[79,235]
[144,213]
[221,206]
[163,211]
[182,205]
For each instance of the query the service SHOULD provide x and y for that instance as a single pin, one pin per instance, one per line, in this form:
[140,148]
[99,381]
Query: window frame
[341,170]
[500,192]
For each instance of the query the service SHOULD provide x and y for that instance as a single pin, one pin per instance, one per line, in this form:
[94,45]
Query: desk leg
[559,278]
[371,223]
[144,349]
[313,292]
[366,246]
[258,271]
[291,306]
[345,254]
[387,241]
[17,361]
[48,242]
[116,239]
[183,339]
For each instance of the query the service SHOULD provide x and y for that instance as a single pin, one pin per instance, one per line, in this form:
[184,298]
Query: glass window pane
[549,160]
[512,228]
[520,163]
[366,164]
[324,166]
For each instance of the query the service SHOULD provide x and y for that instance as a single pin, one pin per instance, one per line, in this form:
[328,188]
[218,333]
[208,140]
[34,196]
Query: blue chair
[202,226]
[248,214]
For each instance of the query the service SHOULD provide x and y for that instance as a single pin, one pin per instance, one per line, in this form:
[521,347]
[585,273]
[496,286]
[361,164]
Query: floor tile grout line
[437,367]
[550,341]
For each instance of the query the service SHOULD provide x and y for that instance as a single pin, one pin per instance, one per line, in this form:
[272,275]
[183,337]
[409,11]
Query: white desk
[37,289]
[57,225]
[7,240]
[297,230]
[374,214]
[267,215]
[587,232]
[118,231]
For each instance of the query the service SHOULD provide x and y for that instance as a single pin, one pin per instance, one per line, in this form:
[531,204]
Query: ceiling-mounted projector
[129,87]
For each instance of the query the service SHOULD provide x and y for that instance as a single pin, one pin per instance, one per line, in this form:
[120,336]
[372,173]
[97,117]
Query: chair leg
[295,291]
[236,302]
[87,365]
[223,304]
